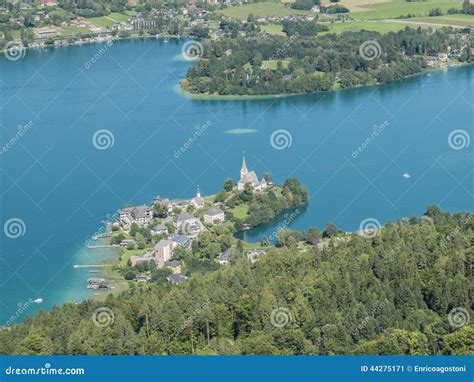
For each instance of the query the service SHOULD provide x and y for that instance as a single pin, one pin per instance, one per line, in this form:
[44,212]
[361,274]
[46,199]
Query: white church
[250,177]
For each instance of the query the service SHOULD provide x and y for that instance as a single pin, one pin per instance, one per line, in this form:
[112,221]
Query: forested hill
[299,63]
[407,290]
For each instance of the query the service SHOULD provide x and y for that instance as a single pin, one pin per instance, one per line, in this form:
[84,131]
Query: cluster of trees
[302,27]
[390,294]
[308,4]
[314,64]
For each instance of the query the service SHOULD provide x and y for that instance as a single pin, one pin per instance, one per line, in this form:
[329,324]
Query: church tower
[243,170]
[198,193]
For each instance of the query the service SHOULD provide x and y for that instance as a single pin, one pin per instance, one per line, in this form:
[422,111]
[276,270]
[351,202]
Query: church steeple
[243,170]
[198,193]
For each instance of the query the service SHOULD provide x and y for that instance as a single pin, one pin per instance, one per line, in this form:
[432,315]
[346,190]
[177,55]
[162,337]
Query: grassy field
[459,21]
[262,10]
[68,30]
[275,29]
[382,27]
[394,8]
[272,64]
[240,212]
[109,20]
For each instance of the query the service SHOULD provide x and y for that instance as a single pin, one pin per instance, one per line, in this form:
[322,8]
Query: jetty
[92,265]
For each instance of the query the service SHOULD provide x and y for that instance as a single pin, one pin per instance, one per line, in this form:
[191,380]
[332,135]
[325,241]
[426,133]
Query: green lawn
[109,20]
[276,29]
[394,8]
[69,30]
[272,64]
[240,212]
[382,27]
[460,21]
[262,10]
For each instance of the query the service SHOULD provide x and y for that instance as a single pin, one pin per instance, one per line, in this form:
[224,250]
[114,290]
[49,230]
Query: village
[159,233]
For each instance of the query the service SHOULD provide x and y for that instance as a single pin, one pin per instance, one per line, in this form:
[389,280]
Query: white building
[250,177]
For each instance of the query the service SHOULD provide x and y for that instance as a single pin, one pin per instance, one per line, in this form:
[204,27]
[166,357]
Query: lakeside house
[214,215]
[141,215]
[134,260]
[142,277]
[97,283]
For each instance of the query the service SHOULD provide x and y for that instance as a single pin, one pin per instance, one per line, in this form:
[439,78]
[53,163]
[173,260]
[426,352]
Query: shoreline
[216,97]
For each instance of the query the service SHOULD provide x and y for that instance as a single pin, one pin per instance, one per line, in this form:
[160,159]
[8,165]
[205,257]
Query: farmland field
[460,21]
[395,8]
[109,20]
[262,10]
[381,27]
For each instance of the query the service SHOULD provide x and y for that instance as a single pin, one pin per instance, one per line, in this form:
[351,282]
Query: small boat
[406,175]
[38,300]
[165,41]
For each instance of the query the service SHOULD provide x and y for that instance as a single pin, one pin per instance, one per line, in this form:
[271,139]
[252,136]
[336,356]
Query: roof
[183,216]
[225,256]
[172,263]
[180,239]
[176,278]
[250,177]
[213,211]
[163,243]
[199,200]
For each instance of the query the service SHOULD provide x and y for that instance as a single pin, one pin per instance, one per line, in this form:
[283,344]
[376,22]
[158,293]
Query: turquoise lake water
[61,187]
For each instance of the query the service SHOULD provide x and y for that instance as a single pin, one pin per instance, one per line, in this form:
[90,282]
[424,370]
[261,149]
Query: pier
[91,265]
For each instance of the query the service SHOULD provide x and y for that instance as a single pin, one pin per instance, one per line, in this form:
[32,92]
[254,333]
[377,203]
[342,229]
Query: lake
[98,137]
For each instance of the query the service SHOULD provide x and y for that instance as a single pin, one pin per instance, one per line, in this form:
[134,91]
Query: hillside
[405,290]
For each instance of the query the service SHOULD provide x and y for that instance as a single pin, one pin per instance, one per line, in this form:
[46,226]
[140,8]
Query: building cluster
[186,219]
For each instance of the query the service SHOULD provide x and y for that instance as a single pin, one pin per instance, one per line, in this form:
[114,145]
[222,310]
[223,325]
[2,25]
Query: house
[250,177]
[97,283]
[160,229]
[188,224]
[224,257]
[214,215]
[198,201]
[182,240]
[163,252]
[46,32]
[253,254]
[176,278]
[141,215]
[182,219]
[141,278]
[174,265]
[166,203]
[134,260]
[126,243]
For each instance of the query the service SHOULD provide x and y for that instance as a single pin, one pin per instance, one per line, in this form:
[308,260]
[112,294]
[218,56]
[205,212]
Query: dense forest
[391,293]
[304,63]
